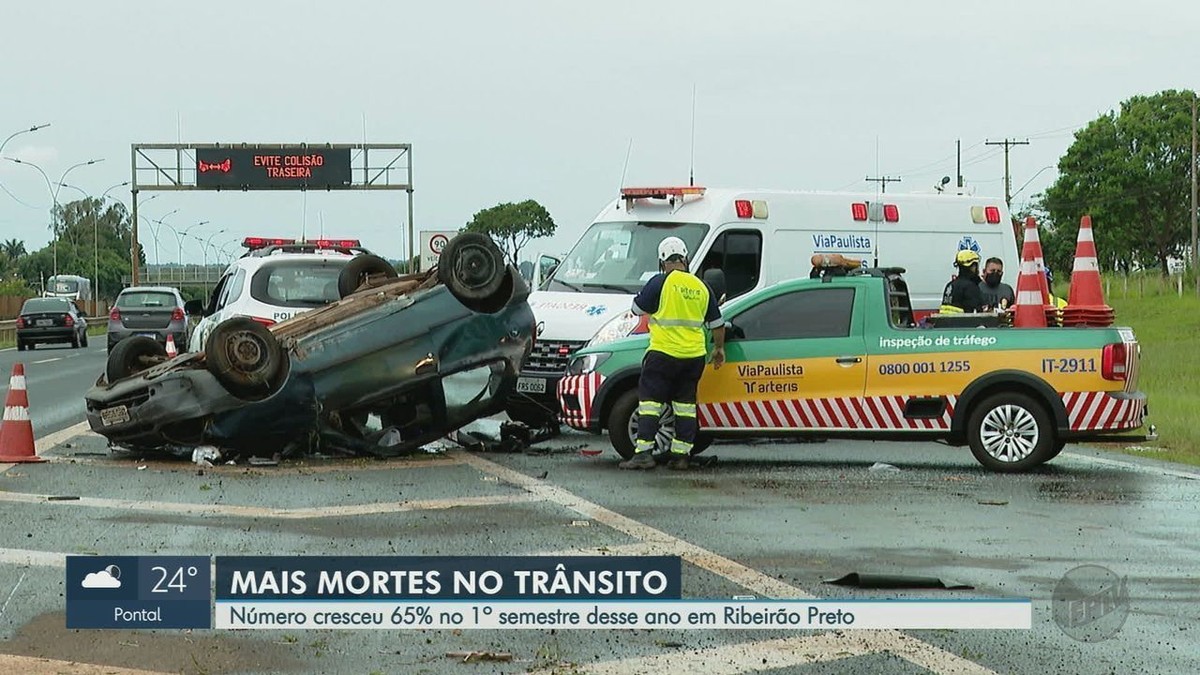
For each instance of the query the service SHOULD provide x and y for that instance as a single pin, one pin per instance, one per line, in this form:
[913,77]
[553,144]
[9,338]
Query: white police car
[277,279]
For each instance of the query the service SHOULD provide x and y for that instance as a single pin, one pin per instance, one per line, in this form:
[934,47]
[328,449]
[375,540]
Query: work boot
[641,460]
[679,463]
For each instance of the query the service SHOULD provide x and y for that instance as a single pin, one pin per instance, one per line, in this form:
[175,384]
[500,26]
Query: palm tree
[13,249]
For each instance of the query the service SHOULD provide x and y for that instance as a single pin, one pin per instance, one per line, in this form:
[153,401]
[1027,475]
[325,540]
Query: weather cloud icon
[109,577]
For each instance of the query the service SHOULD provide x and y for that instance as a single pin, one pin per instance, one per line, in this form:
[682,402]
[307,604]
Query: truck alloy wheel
[1010,432]
[246,358]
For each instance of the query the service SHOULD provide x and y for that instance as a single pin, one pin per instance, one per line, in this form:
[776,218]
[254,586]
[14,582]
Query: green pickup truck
[843,357]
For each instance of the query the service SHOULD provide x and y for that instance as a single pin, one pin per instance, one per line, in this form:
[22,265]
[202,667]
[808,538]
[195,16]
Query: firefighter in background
[963,294]
[680,307]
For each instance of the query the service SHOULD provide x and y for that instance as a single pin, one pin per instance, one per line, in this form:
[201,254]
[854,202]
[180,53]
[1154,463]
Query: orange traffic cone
[1029,312]
[1085,303]
[1031,234]
[16,431]
[172,352]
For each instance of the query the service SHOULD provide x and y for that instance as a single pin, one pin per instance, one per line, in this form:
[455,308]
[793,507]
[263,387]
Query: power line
[883,181]
[1007,143]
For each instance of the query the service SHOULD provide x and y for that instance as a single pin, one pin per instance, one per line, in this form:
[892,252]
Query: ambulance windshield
[619,257]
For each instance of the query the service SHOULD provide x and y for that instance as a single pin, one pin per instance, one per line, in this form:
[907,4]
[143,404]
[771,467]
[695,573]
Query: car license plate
[531,385]
[45,322]
[114,415]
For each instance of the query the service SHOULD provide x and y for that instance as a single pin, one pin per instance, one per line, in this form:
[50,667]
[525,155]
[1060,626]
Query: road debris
[880,467]
[865,580]
[470,657]
[993,502]
[206,455]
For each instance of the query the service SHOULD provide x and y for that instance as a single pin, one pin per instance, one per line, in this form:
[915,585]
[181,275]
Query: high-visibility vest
[677,328]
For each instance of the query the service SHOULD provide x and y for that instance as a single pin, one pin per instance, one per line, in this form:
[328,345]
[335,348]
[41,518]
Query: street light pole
[23,131]
[54,195]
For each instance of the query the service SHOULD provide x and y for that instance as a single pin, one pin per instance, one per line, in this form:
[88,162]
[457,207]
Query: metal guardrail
[8,329]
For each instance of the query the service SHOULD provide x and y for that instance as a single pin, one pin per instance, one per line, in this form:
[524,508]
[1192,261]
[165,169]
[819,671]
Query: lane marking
[1143,468]
[29,665]
[915,651]
[7,600]
[185,509]
[29,558]
[57,358]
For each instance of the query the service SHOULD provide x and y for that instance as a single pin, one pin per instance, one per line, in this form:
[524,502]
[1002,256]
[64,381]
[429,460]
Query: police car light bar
[336,243]
[260,242]
[661,192]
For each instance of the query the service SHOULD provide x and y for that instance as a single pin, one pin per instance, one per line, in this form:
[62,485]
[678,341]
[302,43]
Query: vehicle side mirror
[193,308]
[715,279]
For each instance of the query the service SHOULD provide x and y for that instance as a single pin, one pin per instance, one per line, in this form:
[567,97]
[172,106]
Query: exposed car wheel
[246,358]
[131,356]
[1010,432]
[83,340]
[472,267]
[622,428]
[358,270]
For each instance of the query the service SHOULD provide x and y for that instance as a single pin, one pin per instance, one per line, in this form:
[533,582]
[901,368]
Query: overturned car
[424,353]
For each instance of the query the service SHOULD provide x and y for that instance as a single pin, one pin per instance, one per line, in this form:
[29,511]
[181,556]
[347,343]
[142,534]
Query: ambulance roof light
[661,192]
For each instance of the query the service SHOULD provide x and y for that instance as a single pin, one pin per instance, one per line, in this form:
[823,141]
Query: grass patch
[1168,329]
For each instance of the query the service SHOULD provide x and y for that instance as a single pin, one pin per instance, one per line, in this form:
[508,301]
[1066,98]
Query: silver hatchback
[153,311]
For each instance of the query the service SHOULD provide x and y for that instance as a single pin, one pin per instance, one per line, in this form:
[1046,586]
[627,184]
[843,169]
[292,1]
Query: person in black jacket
[963,294]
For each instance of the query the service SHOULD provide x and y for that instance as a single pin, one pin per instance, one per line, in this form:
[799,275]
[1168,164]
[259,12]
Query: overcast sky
[505,101]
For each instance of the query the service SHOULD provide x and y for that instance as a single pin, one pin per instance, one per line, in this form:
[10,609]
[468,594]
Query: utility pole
[958,163]
[1195,257]
[883,181]
[1007,143]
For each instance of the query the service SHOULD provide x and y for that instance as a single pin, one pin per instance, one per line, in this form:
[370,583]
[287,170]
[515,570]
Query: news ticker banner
[583,592]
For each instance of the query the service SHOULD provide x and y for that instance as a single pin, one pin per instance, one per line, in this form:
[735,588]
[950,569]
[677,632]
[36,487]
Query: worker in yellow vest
[680,307]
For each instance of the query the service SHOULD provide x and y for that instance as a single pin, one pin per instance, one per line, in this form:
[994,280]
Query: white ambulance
[757,238]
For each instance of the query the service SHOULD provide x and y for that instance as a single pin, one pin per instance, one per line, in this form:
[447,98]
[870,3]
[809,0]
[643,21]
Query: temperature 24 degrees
[172,579]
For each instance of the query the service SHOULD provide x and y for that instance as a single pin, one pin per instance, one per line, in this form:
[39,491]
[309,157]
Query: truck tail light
[891,213]
[177,315]
[1112,361]
[744,208]
[859,210]
[115,314]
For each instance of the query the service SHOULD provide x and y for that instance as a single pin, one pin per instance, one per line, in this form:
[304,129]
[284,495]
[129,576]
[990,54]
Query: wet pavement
[770,520]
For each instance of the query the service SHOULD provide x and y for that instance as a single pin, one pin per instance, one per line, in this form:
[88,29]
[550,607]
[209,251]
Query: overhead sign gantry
[244,167]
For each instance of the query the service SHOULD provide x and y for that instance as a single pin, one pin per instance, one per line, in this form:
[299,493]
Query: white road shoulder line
[48,442]
[57,358]
[1143,468]
[915,651]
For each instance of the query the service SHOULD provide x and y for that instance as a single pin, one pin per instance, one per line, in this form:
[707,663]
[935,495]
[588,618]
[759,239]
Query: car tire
[1010,432]
[473,268]
[74,342]
[621,426]
[246,358]
[83,340]
[126,356]
[20,346]
[1058,448]
[358,270]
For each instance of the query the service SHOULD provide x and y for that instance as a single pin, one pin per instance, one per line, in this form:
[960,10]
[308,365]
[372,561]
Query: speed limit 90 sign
[437,243]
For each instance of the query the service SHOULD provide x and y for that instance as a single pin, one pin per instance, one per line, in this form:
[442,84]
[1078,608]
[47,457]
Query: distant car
[149,311]
[273,281]
[427,353]
[50,320]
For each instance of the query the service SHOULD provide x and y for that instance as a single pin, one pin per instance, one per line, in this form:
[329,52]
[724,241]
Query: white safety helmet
[670,247]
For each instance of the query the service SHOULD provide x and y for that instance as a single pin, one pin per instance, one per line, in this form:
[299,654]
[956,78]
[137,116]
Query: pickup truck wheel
[246,358]
[622,428]
[133,355]
[1058,447]
[359,270]
[1010,432]
[472,267]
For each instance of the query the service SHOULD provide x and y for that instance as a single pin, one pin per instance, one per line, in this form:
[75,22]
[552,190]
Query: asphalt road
[770,520]
[56,377]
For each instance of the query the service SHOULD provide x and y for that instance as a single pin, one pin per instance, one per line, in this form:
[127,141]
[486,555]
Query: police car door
[795,360]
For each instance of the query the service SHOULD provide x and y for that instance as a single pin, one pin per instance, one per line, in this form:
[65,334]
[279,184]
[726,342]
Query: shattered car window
[142,299]
[298,283]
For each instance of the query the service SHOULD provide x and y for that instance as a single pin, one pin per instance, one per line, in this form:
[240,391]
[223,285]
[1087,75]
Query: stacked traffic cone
[172,352]
[16,431]
[1085,304]
[1032,290]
